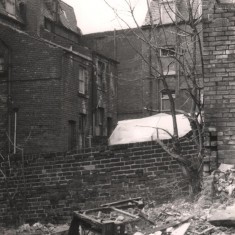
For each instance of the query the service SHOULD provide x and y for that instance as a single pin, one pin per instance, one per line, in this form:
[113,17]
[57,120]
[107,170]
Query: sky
[96,16]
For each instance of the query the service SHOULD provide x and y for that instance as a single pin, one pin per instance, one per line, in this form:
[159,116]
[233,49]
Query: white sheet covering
[144,129]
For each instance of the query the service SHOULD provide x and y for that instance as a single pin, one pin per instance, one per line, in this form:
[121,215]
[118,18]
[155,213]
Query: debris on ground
[37,229]
[225,180]
[213,213]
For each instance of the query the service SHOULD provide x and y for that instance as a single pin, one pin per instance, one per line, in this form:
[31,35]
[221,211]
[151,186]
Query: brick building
[219,82]
[49,83]
[140,93]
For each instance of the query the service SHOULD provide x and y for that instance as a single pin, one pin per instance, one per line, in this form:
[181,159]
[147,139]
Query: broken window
[83,77]
[10,6]
[167,52]
[101,75]
[48,25]
[165,102]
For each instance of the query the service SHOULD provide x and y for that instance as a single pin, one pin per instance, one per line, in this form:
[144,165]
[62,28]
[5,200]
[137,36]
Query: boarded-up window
[11,6]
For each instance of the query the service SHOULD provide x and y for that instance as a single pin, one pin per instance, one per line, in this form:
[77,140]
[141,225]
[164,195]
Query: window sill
[86,96]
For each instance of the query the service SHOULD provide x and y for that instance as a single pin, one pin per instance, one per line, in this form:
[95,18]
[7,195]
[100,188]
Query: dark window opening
[99,121]
[48,25]
[2,64]
[101,75]
[109,126]
[167,52]
[72,135]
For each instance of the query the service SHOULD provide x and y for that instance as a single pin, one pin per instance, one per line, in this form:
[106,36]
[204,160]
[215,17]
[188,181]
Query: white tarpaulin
[145,129]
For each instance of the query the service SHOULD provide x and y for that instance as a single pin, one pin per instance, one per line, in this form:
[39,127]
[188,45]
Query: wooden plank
[173,224]
[125,213]
[122,201]
[181,230]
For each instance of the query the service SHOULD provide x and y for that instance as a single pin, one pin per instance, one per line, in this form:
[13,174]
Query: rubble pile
[37,229]
[184,218]
[224,180]
[213,213]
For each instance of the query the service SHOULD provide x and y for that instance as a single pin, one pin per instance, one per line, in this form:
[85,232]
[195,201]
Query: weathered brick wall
[219,82]
[57,184]
[35,89]
[116,45]
[137,89]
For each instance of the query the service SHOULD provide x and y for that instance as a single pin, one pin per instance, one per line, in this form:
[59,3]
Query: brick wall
[219,82]
[57,184]
[35,89]
[137,89]
[116,45]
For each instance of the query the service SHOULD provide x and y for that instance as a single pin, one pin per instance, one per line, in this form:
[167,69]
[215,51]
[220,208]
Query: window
[72,140]
[99,122]
[101,75]
[48,25]
[2,67]
[167,10]
[167,52]
[83,76]
[81,128]
[109,126]
[165,102]
[10,6]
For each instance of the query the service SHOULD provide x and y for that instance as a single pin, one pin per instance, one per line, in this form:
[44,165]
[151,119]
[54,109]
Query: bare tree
[171,41]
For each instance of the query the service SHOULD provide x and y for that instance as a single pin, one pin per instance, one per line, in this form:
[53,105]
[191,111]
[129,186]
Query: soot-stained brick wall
[219,81]
[57,184]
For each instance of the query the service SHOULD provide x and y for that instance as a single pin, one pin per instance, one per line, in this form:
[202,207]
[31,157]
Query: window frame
[99,120]
[72,135]
[82,79]
[82,129]
[2,64]
[165,97]
[101,75]
[170,49]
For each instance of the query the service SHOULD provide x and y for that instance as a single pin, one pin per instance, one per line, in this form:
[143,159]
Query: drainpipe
[9,101]
[15,128]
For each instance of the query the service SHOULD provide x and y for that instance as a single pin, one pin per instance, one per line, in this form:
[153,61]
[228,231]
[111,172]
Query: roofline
[105,57]
[13,19]
[42,40]
[110,31]
[163,25]
[62,26]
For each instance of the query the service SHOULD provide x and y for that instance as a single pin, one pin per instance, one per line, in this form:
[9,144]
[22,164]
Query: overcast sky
[97,16]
